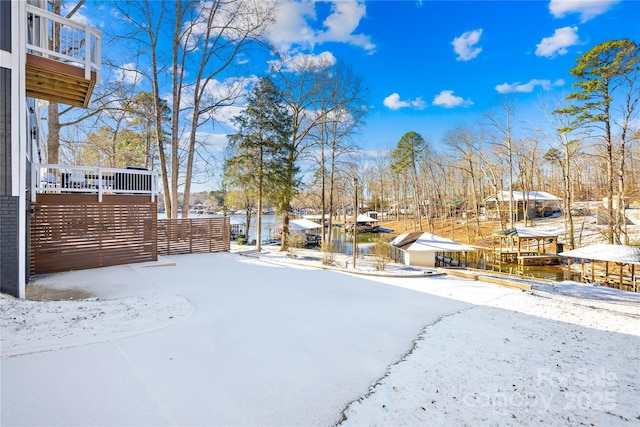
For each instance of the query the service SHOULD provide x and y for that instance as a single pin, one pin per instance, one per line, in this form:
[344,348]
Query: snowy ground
[226,339]
[587,231]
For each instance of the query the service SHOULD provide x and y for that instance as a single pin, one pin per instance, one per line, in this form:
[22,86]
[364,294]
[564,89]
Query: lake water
[268,222]
[344,244]
[482,260]
[343,241]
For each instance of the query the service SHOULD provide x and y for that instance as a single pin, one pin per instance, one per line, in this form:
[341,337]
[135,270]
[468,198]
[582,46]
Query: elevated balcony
[63,58]
[67,179]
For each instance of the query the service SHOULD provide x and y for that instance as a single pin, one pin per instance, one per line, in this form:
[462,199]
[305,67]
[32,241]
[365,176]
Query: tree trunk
[568,193]
[175,112]
[612,220]
[53,136]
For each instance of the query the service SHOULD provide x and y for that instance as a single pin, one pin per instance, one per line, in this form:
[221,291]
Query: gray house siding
[9,204]
[5,28]
[5,132]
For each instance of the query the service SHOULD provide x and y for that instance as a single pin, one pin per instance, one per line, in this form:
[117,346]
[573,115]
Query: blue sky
[432,65]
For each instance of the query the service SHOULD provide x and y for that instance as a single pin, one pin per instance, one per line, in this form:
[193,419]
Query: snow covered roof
[366,218]
[606,252]
[427,242]
[303,224]
[524,233]
[518,196]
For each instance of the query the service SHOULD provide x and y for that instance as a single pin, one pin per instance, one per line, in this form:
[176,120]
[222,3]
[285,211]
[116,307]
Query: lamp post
[355,222]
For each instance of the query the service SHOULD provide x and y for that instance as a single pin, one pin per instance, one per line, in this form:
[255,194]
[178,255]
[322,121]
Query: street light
[355,222]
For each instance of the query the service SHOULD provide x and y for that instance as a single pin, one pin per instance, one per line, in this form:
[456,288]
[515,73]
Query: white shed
[421,249]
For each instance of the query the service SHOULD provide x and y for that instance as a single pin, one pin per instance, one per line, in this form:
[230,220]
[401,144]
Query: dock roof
[304,224]
[606,252]
[523,233]
[427,242]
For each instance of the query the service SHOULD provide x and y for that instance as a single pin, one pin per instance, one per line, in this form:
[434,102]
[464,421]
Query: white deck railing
[56,37]
[49,179]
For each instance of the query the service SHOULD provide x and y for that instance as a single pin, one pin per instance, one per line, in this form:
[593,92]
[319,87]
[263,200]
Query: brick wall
[9,245]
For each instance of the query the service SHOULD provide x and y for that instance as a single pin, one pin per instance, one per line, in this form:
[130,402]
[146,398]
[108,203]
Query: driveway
[262,345]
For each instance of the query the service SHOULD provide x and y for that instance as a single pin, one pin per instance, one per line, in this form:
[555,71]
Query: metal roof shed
[421,249]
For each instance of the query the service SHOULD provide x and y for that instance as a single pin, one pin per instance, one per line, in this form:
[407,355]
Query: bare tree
[206,39]
[214,37]
[344,97]
[564,151]
[464,145]
[383,186]
[303,82]
[526,151]
[503,142]
[55,111]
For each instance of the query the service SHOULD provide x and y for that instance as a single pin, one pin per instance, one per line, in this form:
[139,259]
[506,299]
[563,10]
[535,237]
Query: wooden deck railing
[51,179]
[56,37]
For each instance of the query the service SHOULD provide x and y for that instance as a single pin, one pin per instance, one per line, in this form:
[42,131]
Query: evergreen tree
[256,153]
[606,80]
[405,160]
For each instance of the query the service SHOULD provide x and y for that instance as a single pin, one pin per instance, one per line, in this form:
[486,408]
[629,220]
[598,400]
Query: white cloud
[464,45]
[215,142]
[587,9]
[305,61]
[419,103]
[128,73]
[291,25]
[228,20]
[518,87]
[447,99]
[224,99]
[78,16]
[393,102]
[343,22]
[296,21]
[558,43]
[227,95]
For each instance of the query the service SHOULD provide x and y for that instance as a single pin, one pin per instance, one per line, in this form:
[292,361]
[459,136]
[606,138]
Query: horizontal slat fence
[74,231]
[191,235]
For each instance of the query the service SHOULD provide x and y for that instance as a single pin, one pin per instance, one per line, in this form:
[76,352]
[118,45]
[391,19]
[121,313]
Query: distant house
[538,204]
[422,249]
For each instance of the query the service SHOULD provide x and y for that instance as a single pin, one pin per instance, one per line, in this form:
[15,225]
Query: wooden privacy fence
[75,231]
[190,235]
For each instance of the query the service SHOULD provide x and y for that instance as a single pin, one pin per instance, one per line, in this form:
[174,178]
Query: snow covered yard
[229,340]
[520,359]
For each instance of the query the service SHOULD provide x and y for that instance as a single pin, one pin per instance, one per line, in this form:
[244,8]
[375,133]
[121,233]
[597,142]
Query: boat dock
[525,247]
[545,259]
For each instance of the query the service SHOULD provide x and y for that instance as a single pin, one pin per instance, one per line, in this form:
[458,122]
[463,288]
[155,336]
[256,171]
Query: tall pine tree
[606,82]
[256,153]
